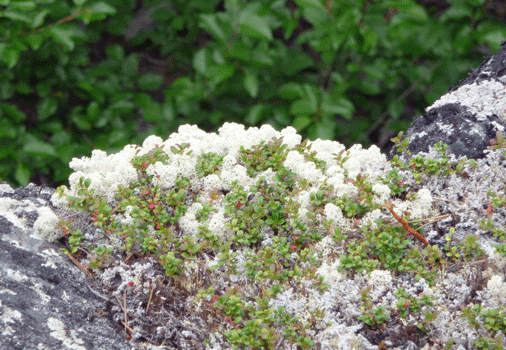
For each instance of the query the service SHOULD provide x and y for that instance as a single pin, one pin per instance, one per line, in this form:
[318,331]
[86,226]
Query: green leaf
[251,84]
[93,111]
[316,16]
[262,57]
[151,110]
[210,24]
[395,109]
[115,52]
[39,18]
[123,106]
[290,91]
[153,113]
[80,121]
[369,87]
[301,122]
[6,151]
[97,12]
[12,111]
[150,81]
[7,129]
[22,5]
[222,72]
[46,108]
[457,11]
[310,3]
[168,111]
[200,61]
[34,40]
[311,93]
[255,114]
[103,7]
[342,107]
[130,65]
[370,39]
[294,61]
[240,50]
[39,148]
[218,57]
[254,26]
[79,2]
[143,100]
[417,12]
[375,71]
[10,54]
[325,129]
[62,35]
[494,38]
[22,175]
[105,118]
[303,107]
[16,16]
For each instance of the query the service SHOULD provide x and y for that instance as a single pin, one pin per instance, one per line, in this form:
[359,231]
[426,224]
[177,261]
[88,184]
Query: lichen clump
[257,239]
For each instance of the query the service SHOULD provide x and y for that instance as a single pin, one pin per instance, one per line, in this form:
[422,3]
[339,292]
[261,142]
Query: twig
[434,219]
[63,20]
[280,342]
[123,307]
[125,311]
[390,206]
[149,301]
[129,256]
[86,271]
[98,294]
[449,200]
[127,327]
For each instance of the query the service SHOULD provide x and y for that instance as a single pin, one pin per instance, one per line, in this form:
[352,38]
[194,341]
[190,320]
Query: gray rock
[46,302]
[468,116]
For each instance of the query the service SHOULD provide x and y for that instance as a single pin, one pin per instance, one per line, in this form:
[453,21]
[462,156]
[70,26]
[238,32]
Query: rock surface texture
[468,116]
[46,302]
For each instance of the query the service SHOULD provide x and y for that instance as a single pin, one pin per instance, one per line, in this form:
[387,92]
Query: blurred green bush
[85,74]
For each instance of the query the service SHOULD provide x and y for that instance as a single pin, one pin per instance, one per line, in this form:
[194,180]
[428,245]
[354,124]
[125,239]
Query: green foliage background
[76,75]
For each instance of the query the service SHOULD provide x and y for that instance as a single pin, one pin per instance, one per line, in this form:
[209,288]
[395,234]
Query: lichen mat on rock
[253,238]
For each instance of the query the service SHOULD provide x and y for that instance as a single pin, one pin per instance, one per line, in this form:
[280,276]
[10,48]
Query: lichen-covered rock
[468,116]
[46,302]
[318,212]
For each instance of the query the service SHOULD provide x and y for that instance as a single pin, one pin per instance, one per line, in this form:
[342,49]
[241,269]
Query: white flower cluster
[380,280]
[304,170]
[495,296]
[107,172]
[418,208]
[45,225]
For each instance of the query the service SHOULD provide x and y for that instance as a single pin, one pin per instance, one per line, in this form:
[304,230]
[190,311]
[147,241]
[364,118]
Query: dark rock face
[46,302]
[468,116]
